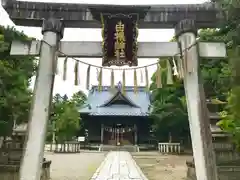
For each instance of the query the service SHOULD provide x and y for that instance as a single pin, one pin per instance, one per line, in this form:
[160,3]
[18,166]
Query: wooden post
[135,134]
[32,161]
[170,137]
[102,133]
[204,157]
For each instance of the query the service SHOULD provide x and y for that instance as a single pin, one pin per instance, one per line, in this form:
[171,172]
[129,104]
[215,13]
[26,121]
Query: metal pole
[33,156]
[204,156]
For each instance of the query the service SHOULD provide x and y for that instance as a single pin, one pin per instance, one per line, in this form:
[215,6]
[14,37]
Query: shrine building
[113,117]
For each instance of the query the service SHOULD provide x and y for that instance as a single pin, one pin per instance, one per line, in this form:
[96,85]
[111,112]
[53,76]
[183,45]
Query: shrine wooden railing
[169,148]
[67,147]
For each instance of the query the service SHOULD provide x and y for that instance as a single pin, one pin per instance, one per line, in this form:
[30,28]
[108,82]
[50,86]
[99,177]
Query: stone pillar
[135,134]
[102,133]
[54,133]
[204,156]
[52,30]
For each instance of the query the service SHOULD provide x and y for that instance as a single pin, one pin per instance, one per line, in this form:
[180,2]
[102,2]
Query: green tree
[68,120]
[231,116]
[16,73]
[169,104]
[230,31]
[79,98]
[65,118]
[168,108]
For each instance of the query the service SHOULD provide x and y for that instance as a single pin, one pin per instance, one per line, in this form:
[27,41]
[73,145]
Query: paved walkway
[118,165]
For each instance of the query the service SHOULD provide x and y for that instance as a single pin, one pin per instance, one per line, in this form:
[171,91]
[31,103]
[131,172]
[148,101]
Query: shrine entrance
[118,134]
[119,47]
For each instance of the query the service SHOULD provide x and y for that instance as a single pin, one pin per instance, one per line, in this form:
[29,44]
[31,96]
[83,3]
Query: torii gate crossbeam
[80,49]
[88,15]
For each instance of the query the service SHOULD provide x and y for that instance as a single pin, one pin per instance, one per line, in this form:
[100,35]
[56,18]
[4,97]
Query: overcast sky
[67,87]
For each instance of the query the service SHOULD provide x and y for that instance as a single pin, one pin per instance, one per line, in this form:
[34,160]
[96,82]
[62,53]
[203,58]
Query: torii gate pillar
[52,30]
[204,156]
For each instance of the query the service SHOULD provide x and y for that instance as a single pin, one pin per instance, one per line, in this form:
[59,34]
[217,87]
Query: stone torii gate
[54,17]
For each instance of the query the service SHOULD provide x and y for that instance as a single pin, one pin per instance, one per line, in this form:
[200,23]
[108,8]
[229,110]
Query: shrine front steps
[128,148]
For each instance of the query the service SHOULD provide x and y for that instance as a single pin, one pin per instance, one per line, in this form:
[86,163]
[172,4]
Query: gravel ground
[165,167]
[83,165]
[74,166]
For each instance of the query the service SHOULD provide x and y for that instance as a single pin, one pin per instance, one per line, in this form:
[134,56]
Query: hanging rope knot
[177,69]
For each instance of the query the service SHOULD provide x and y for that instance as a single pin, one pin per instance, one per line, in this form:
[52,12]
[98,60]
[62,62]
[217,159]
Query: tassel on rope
[146,77]
[102,19]
[56,62]
[57,70]
[135,81]
[65,69]
[123,82]
[180,61]
[141,77]
[169,73]
[159,76]
[76,69]
[112,79]
[88,77]
[100,80]
[97,75]
[175,70]
[180,67]
[56,59]
[102,22]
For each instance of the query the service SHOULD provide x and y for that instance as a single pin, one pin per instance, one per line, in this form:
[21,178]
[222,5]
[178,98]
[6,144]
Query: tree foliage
[221,78]
[15,95]
[16,72]
[65,118]
[168,108]
[230,30]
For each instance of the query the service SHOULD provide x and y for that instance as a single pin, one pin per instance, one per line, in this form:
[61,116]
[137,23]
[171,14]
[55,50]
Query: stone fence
[67,147]
[227,172]
[169,148]
[11,171]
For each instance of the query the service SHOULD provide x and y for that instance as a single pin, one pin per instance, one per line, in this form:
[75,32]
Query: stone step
[128,148]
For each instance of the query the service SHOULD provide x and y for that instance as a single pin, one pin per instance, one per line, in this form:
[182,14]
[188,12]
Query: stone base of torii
[186,29]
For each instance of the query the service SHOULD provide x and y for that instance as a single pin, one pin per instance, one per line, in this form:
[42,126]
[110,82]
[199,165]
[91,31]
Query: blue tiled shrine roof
[105,103]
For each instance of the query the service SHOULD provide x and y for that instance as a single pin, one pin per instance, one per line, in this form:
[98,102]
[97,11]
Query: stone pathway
[118,165]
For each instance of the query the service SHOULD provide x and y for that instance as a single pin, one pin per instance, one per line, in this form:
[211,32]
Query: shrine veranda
[119,47]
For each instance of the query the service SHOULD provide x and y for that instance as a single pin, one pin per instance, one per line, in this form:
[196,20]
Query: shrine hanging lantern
[119,45]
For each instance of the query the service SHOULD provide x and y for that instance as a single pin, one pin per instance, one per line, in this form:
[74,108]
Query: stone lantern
[11,154]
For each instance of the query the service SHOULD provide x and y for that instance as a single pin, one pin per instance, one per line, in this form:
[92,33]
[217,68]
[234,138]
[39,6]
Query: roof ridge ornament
[119,86]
